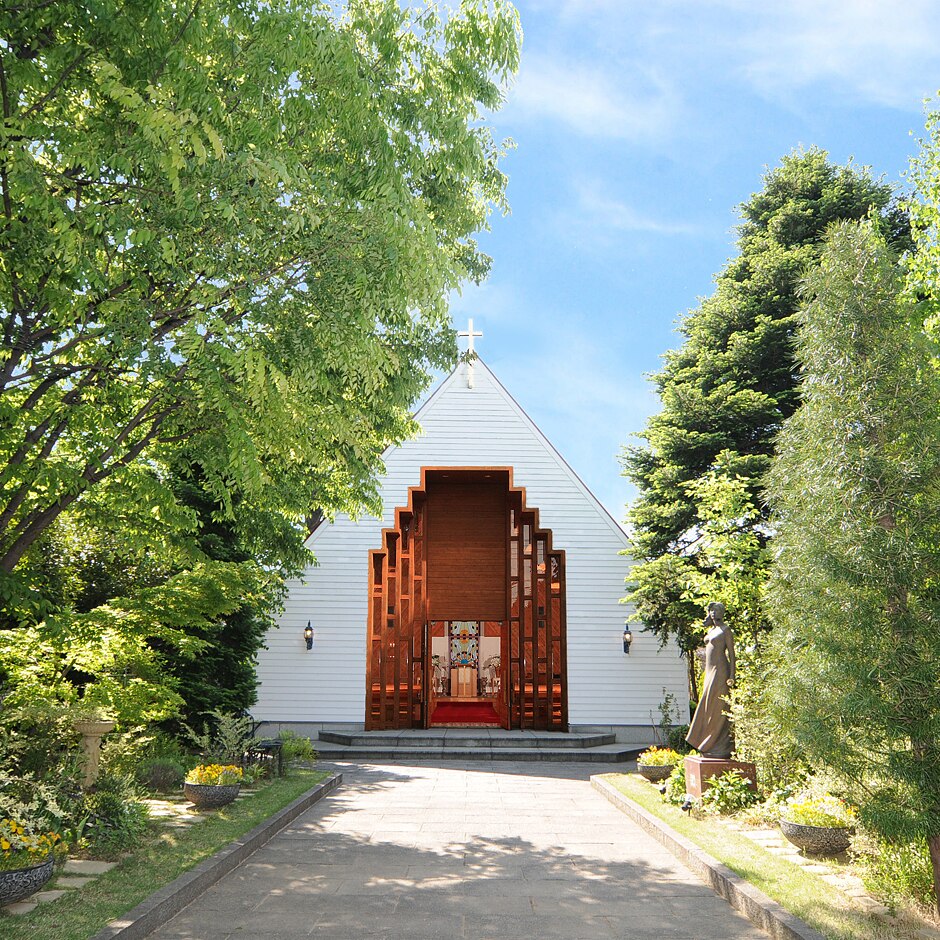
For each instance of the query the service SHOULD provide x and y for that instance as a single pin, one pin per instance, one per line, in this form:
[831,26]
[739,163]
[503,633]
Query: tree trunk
[693,682]
[933,844]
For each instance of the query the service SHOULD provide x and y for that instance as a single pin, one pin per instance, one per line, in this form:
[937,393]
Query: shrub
[41,805]
[161,776]
[114,819]
[827,811]
[659,757]
[114,823]
[768,812]
[127,753]
[760,736]
[225,737]
[675,738]
[296,747]
[898,873]
[729,793]
[37,739]
[675,785]
[215,775]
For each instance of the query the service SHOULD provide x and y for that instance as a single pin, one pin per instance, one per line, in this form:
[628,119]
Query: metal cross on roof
[471,352]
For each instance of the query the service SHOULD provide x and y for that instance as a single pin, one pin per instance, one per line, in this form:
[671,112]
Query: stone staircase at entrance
[472,744]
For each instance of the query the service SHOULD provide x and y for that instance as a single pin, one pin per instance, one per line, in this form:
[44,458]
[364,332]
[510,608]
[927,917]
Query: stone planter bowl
[655,772]
[22,882]
[210,796]
[817,840]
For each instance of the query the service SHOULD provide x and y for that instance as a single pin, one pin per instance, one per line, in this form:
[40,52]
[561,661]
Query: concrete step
[466,738]
[607,754]
[472,744]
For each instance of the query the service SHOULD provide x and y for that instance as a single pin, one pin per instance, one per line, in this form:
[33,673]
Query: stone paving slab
[84,866]
[72,881]
[461,850]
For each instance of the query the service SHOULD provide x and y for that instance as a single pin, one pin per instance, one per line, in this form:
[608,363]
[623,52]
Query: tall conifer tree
[728,389]
[854,589]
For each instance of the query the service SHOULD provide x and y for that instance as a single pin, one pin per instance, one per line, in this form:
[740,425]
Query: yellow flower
[4,844]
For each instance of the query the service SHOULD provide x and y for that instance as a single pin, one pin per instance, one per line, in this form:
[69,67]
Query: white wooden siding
[466,427]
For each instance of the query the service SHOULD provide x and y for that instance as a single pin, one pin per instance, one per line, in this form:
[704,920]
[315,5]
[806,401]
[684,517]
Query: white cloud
[886,53]
[604,213]
[626,104]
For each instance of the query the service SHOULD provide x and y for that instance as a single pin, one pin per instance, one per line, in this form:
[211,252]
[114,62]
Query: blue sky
[639,128]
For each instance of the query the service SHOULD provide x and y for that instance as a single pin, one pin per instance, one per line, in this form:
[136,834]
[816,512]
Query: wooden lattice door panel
[397,666]
[533,650]
[535,647]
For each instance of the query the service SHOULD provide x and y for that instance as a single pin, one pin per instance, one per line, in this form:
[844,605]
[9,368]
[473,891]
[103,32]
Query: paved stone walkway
[472,850]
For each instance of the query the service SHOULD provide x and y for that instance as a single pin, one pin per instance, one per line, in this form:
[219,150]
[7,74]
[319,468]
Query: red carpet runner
[479,713]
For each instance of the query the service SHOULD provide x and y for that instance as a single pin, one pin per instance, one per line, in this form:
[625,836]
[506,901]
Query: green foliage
[728,793]
[725,394]
[38,738]
[675,789]
[923,264]
[222,677]
[761,735]
[855,589]
[897,873]
[124,753]
[676,739]
[229,231]
[114,820]
[296,747]
[224,738]
[161,775]
[110,657]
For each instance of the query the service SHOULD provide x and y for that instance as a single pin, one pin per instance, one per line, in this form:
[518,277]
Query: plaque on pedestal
[698,771]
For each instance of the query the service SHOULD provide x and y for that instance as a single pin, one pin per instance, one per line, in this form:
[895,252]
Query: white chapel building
[488,594]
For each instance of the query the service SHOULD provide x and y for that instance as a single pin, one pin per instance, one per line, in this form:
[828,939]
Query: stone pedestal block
[698,771]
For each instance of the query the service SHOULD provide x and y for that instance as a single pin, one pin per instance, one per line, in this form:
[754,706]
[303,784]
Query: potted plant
[656,763]
[211,785]
[26,859]
[819,825]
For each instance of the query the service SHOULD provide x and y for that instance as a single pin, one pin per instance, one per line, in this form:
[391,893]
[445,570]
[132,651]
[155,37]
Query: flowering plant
[659,757]
[827,812]
[20,847]
[215,775]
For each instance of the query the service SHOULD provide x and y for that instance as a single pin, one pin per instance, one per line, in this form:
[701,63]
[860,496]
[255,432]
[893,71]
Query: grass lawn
[801,892]
[164,854]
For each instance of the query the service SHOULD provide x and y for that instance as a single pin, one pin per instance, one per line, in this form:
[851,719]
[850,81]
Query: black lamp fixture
[627,639]
[308,635]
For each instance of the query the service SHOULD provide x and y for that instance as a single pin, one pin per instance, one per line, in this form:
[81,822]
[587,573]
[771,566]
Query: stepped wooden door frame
[399,674]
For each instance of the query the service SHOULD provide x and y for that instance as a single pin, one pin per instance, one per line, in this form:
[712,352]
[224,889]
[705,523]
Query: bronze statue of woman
[710,732]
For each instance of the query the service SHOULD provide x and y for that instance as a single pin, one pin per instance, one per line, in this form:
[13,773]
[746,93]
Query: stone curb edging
[761,910]
[166,903]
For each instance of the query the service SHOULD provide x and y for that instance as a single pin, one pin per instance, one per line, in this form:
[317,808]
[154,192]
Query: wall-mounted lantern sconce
[627,639]
[308,635]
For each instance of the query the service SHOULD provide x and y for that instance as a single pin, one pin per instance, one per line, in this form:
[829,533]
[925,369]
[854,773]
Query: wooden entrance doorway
[468,550]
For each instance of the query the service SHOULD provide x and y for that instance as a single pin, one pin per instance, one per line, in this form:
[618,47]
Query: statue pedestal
[699,769]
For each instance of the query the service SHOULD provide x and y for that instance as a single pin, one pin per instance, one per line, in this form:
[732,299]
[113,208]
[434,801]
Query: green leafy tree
[923,267]
[670,593]
[726,391]
[856,585]
[230,226]
[222,677]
